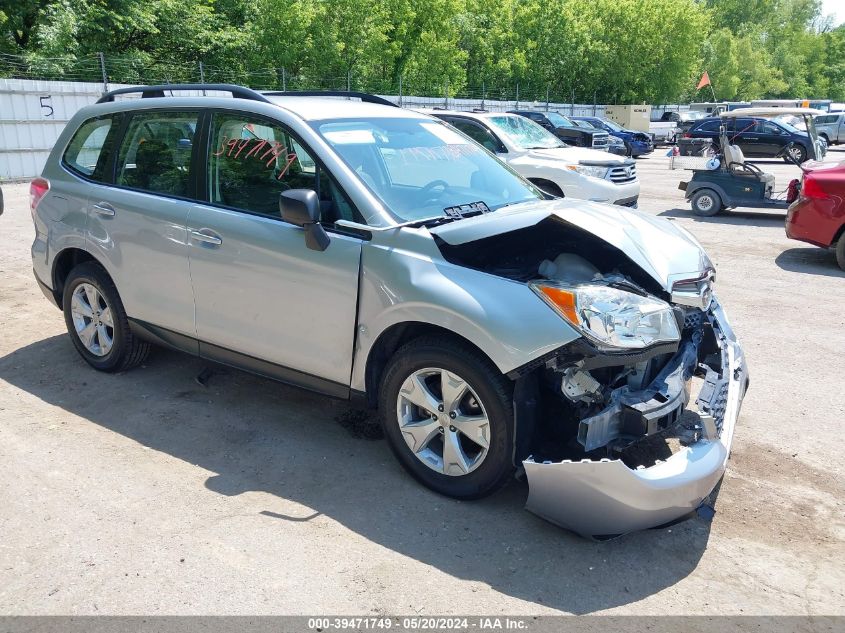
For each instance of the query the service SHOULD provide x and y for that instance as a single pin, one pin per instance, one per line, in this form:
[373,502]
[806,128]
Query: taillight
[687,135]
[812,189]
[37,189]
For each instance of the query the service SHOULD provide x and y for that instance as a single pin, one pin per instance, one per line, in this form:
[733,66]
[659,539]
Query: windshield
[524,133]
[558,120]
[791,124]
[613,126]
[422,169]
[693,115]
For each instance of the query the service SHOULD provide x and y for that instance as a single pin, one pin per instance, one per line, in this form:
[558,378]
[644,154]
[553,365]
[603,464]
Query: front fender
[503,318]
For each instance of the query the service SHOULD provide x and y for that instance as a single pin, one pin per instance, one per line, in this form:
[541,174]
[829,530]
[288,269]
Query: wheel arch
[553,186]
[394,337]
[694,187]
[65,261]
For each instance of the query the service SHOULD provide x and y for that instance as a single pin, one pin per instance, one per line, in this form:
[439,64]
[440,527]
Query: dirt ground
[146,493]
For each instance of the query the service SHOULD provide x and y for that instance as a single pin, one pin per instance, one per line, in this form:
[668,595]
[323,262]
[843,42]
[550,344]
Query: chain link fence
[108,70]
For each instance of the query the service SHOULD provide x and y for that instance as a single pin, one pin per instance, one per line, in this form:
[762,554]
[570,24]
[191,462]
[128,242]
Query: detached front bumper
[606,498]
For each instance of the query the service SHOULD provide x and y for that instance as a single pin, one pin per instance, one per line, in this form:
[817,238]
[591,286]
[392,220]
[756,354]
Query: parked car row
[756,137]
[542,158]
[374,253]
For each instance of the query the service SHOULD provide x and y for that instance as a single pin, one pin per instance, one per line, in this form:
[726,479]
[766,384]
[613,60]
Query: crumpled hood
[574,155]
[661,248]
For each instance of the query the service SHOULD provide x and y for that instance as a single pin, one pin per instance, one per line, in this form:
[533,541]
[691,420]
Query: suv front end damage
[611,496]
[604,429]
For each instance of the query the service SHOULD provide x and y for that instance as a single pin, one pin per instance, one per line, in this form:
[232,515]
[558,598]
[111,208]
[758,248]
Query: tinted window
[708,126]
[767,127]
[830,118]
[155,154]
[478,134]
[252,161]
[88,150]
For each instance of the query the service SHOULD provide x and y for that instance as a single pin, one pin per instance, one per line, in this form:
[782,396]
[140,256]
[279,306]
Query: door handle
[207,236]
[103,208]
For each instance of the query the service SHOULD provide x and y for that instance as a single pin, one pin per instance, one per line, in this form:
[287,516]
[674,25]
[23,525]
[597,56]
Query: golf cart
[729,181]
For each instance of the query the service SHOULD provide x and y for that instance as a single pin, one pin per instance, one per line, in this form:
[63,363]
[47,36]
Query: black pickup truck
[566,129]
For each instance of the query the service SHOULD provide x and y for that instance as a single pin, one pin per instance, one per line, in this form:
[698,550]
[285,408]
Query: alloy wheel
[443,421]
[92,319]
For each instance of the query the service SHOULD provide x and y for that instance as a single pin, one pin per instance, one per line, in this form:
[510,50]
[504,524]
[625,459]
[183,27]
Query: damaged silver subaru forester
[365,251]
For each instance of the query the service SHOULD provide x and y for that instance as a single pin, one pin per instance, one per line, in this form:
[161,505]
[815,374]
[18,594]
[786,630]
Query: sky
[836,7]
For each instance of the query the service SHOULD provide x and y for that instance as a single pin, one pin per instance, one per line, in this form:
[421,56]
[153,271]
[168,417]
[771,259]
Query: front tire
[97,322]
[706,203]
[447,414]
[798,154]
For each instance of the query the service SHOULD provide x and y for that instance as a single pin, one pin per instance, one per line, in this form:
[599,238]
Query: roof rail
[147,92]
[363,96]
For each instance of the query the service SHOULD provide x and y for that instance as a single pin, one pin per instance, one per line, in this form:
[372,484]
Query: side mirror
[301,207]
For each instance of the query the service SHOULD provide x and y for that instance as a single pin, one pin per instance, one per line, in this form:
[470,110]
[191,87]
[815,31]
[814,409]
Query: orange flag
[705,81]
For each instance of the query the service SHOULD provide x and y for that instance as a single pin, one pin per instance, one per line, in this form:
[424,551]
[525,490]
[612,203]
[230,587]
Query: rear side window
[708,126]
[89,149]
[155,154]
[828,118]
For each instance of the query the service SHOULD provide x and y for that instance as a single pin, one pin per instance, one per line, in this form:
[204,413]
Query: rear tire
[706,203]
[97,322]
[422,371]
[840,251]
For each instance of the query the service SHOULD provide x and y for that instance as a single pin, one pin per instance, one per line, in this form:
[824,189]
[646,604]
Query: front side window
[419,168]
[610,126]
[88,150]
[252,161]
[524,133]
[155,154]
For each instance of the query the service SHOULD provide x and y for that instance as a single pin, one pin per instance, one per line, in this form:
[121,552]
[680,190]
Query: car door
[772,138]
[264,300]
[137,224]
[747,134]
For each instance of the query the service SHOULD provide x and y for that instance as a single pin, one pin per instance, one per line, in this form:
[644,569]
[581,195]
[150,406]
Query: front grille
[622,174]
[600,139]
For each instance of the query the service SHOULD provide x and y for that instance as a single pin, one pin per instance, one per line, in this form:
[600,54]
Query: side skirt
[237,360]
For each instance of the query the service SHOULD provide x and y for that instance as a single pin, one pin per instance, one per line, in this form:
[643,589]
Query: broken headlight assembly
[610,317]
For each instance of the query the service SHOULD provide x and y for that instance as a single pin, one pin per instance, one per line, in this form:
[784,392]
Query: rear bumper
[606,498]
[46,290]
[808,223]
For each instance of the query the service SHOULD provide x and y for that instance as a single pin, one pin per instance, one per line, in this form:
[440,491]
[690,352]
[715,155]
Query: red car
[818,215]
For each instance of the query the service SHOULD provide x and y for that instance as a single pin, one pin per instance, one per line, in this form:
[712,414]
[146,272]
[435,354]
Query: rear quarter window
[707,126]
[89,149]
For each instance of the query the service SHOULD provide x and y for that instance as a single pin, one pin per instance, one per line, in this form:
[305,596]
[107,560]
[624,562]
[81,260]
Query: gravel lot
[145,493]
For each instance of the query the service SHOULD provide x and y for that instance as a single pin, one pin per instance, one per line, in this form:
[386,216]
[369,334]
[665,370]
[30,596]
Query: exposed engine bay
[588,401]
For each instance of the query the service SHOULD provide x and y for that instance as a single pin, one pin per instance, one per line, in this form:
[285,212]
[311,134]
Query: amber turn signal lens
[563,300]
